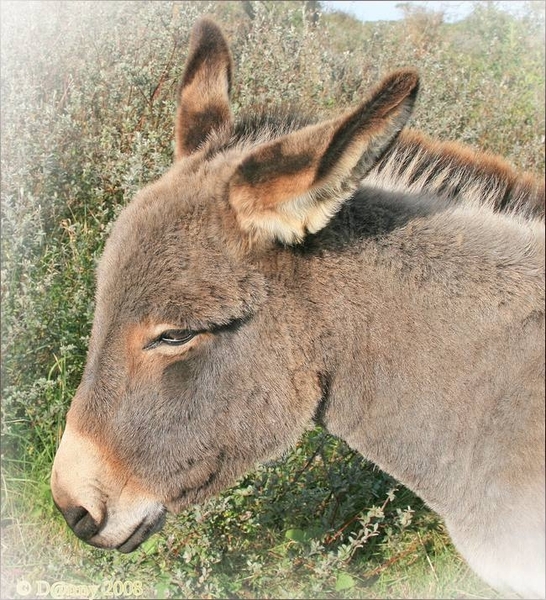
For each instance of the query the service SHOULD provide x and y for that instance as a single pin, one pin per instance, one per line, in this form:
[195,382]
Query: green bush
[88,99]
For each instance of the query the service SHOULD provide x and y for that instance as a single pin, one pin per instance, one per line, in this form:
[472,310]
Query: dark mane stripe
[415,163]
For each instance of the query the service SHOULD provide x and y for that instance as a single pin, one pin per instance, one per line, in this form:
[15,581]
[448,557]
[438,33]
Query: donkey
[266,284]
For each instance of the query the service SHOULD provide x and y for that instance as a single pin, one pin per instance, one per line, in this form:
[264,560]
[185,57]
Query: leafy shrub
[88,98]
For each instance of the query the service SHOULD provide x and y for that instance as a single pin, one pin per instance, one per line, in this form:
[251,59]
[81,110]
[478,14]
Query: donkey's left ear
[294,185]
[203,98]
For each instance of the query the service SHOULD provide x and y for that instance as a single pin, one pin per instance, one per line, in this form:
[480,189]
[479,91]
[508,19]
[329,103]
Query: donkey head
[203,360]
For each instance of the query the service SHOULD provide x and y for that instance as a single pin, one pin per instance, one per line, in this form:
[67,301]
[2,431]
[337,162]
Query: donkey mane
[413,164]
[256,125]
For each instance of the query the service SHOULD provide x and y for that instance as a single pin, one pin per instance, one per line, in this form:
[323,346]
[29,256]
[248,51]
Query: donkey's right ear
[203,98]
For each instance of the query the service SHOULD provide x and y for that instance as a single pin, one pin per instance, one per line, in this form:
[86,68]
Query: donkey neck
[406,316]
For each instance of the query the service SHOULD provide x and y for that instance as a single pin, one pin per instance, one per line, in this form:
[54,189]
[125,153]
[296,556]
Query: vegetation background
[88,99]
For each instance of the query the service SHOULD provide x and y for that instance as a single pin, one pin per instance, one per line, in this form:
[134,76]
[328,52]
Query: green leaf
[162,587]
[344,582]
[150,545]
[296,535]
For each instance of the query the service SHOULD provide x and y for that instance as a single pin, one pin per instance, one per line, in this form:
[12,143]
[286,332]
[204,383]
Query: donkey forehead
[168,251]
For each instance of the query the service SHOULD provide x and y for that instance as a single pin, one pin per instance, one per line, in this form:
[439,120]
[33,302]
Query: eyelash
[180,337]
[173,337]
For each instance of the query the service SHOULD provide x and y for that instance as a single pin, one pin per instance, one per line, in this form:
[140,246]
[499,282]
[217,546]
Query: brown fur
[203,96]
[410,323]
[294,185]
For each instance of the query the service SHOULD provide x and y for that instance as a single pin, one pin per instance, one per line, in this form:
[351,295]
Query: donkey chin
[117,515]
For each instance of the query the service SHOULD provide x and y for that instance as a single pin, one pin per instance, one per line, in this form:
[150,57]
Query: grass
[264,539]
[88,93]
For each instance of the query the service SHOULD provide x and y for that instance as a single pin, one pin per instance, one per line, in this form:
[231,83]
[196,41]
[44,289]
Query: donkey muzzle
[102,505]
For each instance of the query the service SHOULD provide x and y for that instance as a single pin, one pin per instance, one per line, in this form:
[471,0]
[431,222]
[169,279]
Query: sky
[385,10]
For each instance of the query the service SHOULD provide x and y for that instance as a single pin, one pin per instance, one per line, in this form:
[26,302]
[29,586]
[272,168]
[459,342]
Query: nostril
[81,522]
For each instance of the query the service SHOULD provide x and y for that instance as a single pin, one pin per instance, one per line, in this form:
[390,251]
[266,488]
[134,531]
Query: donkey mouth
[143,531]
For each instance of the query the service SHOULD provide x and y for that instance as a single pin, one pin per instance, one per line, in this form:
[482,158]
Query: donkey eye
[172,337]
[176,337]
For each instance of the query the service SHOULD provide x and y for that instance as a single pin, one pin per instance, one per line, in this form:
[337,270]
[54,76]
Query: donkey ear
[294,185]
[203,97]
